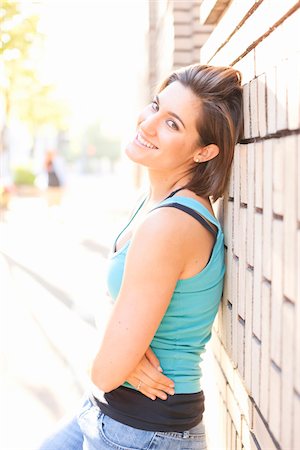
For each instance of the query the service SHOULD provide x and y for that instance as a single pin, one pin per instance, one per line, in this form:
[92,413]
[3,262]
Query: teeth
[143,142]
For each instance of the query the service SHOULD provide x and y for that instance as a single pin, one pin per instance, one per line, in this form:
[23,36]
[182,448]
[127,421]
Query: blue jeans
[93,430]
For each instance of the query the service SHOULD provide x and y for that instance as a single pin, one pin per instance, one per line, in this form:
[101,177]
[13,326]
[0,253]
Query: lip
[140,143]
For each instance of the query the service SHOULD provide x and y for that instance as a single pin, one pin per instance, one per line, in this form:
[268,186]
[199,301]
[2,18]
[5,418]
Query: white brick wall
[256,336]
[258,342]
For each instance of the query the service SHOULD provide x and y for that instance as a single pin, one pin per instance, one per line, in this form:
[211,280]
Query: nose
[149,124]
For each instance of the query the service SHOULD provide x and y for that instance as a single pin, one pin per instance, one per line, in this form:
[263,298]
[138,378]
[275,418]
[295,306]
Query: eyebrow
[169,112]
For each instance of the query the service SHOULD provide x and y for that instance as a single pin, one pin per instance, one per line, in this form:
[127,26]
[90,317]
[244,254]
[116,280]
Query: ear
[206,153]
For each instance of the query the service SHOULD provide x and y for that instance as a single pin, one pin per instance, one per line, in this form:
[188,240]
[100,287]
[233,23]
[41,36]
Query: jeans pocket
[124,437]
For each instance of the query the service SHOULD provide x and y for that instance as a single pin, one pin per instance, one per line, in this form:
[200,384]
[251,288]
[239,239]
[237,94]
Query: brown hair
[220,122]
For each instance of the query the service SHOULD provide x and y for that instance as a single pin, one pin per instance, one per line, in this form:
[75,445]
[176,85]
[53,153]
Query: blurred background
[73,77]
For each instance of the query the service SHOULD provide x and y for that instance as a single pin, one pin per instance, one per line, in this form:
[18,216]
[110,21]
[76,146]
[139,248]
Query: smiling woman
[165,273]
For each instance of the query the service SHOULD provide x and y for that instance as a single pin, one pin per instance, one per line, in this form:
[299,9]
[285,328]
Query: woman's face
[166,137]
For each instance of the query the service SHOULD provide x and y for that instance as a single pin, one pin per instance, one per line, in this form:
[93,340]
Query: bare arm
[153,265]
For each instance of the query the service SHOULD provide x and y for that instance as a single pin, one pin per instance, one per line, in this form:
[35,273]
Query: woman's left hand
[148,378]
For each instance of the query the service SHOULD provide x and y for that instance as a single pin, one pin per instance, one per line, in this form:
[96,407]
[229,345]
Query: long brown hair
[220,122]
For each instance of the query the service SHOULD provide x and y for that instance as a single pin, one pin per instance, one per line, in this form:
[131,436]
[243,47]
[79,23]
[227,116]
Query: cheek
[143,115]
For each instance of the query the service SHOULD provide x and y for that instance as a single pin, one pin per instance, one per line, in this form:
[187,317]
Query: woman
[166,273]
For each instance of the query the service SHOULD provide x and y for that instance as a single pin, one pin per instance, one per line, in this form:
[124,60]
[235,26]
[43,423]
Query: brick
[224,424]
[253,108]
[238,442]
[198,39]
[277,291]
[230,226]
[267,209]
[265,57]
[182,16]
[242,396]
[293,92]
[227,367]
[236,202]
[279,157]
[256,326]
[246,108]
[265,350]
[246,66]
[256,366]
[290,218]
[231,178]
[258,197]
[228,432]
[234,287]
[271,100]
[182,29]
[242,263]
[182,5]
[253,443]
[182,57]
[275,401]
[281,96]
[290,29]
[226,278]
[221,382]
[234,14]
[261,432]
[288,352]
[233,434]
[233,409]
[250,204]
[298,182]
[246,441]
[296,416]
[262,100]
[183,43]
[297,320]
[243,173]
[257,24]
[248,328]
[227,226]
[241,347]
[229,320]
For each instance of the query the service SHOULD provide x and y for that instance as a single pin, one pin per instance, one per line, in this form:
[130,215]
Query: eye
[154,105]
[172,124]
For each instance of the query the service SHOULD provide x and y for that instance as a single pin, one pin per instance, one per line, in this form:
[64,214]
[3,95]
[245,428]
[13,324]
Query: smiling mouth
[145,143]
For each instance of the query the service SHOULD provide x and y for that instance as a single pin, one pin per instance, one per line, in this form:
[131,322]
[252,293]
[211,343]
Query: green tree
[25,95]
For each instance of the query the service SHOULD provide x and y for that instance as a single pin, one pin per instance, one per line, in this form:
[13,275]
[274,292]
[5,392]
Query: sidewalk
[52,270]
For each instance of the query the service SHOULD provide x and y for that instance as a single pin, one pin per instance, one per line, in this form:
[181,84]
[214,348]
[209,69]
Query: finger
[156,388]
[153,359]
[148,392]
[152,393]
[160,380]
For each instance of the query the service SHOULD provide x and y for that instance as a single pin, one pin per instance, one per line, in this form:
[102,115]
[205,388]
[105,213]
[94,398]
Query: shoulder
[167,227]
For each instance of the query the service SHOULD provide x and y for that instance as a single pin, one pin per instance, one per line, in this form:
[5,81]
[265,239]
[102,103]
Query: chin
[134,154]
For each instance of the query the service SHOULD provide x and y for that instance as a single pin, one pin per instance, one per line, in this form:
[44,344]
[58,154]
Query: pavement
[52,271]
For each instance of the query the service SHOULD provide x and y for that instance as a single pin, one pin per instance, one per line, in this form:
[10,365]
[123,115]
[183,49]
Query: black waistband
[180,412]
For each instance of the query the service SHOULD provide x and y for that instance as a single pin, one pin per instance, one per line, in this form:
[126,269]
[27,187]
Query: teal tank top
[180,340]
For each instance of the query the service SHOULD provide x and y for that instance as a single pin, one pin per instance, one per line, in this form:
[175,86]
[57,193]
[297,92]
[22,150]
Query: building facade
[256,336]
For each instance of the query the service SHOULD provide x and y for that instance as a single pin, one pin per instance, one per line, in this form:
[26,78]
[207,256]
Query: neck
[161,185]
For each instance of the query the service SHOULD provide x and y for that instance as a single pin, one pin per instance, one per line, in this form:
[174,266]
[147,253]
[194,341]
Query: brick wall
[255,357]
[256,338]
[175,36]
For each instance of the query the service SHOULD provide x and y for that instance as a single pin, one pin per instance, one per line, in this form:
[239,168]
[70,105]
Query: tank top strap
[194,205]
